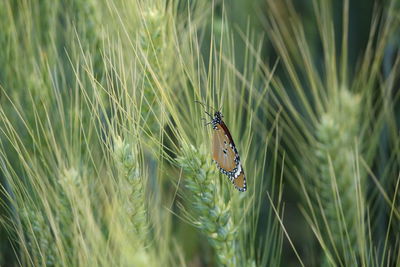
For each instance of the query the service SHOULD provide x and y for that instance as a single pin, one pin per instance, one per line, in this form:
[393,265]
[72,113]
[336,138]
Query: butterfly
[224,152]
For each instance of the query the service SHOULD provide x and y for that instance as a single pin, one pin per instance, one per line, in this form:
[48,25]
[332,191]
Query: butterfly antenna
[208,114]
[204,105]
[205,108]
[220,108]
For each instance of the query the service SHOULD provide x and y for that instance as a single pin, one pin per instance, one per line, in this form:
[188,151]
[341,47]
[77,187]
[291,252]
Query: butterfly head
[218,115]
[217,118]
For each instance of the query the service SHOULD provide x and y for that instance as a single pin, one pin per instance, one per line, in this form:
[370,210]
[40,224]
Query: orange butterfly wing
[226,157]
[240,182]
[223,153]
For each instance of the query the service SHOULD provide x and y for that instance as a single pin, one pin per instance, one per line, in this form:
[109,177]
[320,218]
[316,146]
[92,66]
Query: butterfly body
[225,154]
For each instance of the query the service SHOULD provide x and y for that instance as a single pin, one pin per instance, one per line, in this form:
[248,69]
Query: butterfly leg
[207,123]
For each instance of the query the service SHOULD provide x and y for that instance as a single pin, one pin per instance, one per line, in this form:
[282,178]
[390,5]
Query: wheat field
[105,159]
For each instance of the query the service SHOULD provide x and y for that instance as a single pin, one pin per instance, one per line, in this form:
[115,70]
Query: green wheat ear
[211,213]
[131,186]
[39,239]
[337,183]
